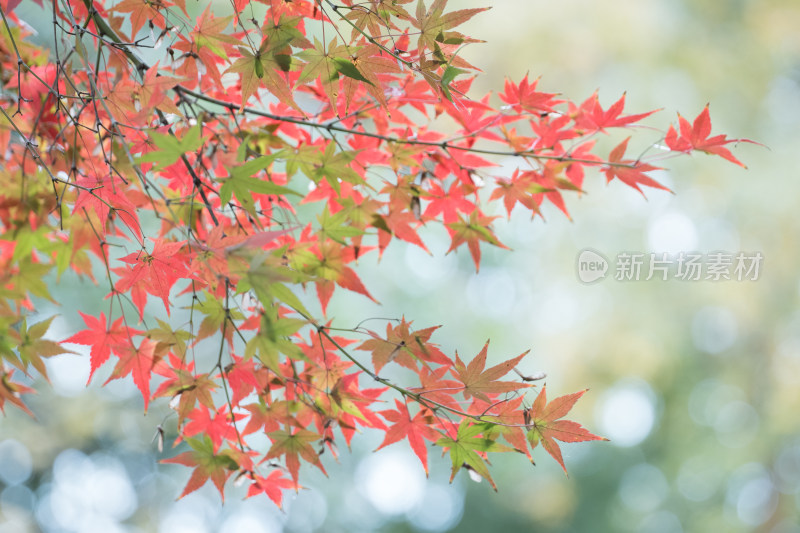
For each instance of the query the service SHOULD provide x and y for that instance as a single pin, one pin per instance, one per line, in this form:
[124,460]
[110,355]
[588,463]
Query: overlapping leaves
[178,183]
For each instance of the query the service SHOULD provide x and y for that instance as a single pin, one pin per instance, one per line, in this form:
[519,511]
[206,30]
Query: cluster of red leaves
[183,177]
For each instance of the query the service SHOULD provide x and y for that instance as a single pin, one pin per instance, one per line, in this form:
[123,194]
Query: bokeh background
[695,383]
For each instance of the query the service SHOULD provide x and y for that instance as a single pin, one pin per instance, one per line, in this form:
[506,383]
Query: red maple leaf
[154,273]
[434,387]
[218,427]
[592,116]
[524,96]
[139,362]
[272,486]
[472,231]
[519,188]
[102,339]
[417,429]
[696,137]
[448,203]
[404,347]
[268,417]
[208,464]
[545,426]
[481,383]
[630,172]
[141,11]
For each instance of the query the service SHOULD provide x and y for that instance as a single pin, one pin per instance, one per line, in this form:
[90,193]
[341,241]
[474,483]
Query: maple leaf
[465,446]
[105,193]
[353,404]
[433,23]
[170,340]
[139,362]
[376,16]
[696,137]
[207,464]
[434,387]
[524,96]
[293,446]
[449,204]
[33,347]
[404,347]
[510,421]
[208,33]
[215,317]
[263,68]
[155,272]
[218,427]
[170,148]
[246,376]
[520,188]
[481,383]
[268,417]
[320,63]
[416,429]
[368,64]
[241,183]
[630,172]
[472,231]
[272,486]
[141,11]
[182,382]
[102,339]
[545,425]
[397,223]
[152,92]
[329,267]
[274,338]
[11,392]
[594,117]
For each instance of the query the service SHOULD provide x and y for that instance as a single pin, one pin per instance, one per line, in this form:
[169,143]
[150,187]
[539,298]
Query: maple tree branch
[222,369]
[20,64]
[417,397]
[368,37]
[141,65]
[445,145]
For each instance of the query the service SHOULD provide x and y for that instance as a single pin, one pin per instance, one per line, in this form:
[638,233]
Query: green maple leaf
[463,449]
[275,338]
[243,185]
[164,335]
[215,315]
[329,165]
[433,24]
[32,347]
[320,63]
[295,446]
[170,147]
[449,75]
[265,67]
[335,226]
